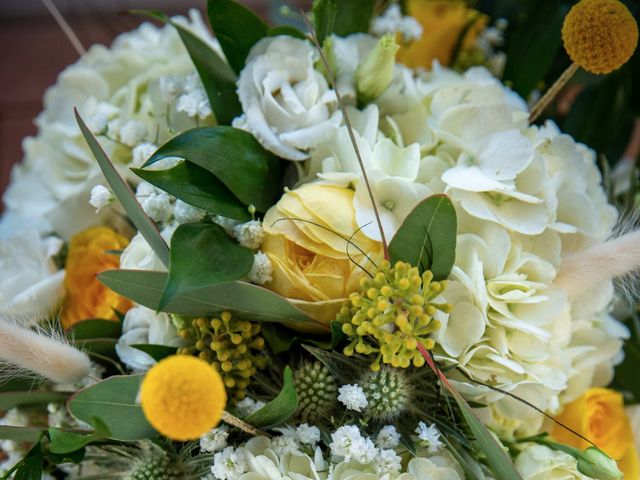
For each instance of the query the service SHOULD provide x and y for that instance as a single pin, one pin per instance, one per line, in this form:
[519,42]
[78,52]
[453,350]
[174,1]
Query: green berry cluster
[388,393]
[317,391]
[232,346]
[391,313]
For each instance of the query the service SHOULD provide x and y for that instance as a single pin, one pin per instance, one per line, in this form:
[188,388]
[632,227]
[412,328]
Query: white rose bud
[101,197]
[596,464]
[375,72]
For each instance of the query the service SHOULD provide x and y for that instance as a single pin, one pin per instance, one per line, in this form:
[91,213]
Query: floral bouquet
[312,251]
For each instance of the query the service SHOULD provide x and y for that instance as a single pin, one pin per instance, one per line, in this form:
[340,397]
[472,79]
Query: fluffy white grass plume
[41,353]
[615,259]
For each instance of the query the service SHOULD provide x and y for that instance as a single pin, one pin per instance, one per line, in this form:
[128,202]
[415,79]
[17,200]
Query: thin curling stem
[64,25]
[550,94]
[332,80]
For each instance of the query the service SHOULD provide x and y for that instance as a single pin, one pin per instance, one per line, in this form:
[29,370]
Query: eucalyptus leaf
[113,403]
[9,400]
[202,255]
[234,156]
[20,434]
[96,328]
[157,352]
[427,237]
[125,196]
[280,409]
[237,29]
[243,299]
[198,187]
[342,17]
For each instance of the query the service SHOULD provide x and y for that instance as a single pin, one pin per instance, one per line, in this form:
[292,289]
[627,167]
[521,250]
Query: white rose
[143,326]
[31,286]
[287,104]
[537,462]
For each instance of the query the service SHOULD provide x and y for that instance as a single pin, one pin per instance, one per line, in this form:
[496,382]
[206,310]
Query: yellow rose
[85,296]
[306,244]
[443,22]
[599,415]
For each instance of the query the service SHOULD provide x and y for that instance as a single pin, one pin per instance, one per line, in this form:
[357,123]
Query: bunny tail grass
[42,354]
[613,259]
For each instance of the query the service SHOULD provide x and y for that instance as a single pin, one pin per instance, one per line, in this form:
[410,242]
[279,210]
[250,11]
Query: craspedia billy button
[600,35]
[183,397]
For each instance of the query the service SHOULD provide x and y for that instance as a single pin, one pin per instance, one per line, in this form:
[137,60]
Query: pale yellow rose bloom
[306,241]
[599,415]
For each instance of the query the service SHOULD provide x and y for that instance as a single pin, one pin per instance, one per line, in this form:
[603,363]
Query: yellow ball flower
[85,296]
[443,22]
[183,397]
[599,415]
[306,244]
[600,35]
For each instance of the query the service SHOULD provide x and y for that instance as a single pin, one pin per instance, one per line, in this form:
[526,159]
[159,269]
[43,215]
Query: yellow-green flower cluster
[232,346]
[391,313]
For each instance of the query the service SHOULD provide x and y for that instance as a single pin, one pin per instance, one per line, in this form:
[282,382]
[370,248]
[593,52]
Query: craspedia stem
[550,94]
[242,425]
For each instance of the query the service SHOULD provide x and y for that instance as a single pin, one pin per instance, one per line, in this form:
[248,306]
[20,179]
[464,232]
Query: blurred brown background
[34,50]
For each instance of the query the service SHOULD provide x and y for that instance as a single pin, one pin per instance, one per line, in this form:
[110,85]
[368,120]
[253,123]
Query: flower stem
[550,94]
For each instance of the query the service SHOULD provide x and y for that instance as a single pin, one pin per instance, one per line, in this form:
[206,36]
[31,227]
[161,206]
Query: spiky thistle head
[153,465]
[317,390]
[388,392]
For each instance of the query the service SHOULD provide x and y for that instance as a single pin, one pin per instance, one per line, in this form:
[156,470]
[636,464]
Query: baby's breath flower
[182,397]
[348,443]
[154,202]
[249,234]
[262,270]
[132,132]
[185,213]
[352,397]
[214,440]
[307,435]
[388,462]
[248,405]
[101,197]
[429,437]
[391,313]
[229,464]
[388,437]
[141,153]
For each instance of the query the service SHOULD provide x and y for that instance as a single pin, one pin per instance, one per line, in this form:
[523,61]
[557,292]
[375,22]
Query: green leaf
[202,255]
[96,328]
[31,466]
[342,17]
[113,403]
[533,44]
[237,29]
[157,352]
[64,441]
[126,196]
[71,457]
[20,434]
[198,187]
[287,30]
[22,399]
[105,347]
[234,156]
[243,299]
[427,237]
[280,409]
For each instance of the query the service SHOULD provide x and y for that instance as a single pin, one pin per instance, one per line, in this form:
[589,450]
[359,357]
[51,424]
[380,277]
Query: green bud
[375,72]
[594,463]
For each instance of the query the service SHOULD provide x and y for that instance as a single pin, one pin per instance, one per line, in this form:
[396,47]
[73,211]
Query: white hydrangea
[307,435]
[429,436]
[116,90]
[392,21]
[262,270]
[388,437]
[101,197]
[229,464]
[352,397]
[215,439]
[249,234]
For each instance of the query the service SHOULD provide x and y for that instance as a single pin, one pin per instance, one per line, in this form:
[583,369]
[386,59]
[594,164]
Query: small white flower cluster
[429,436]
[189,95]
[248,405]
[392,21]
[163,208]
[214,440]
[101,197]
[352,397]
[489,41]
